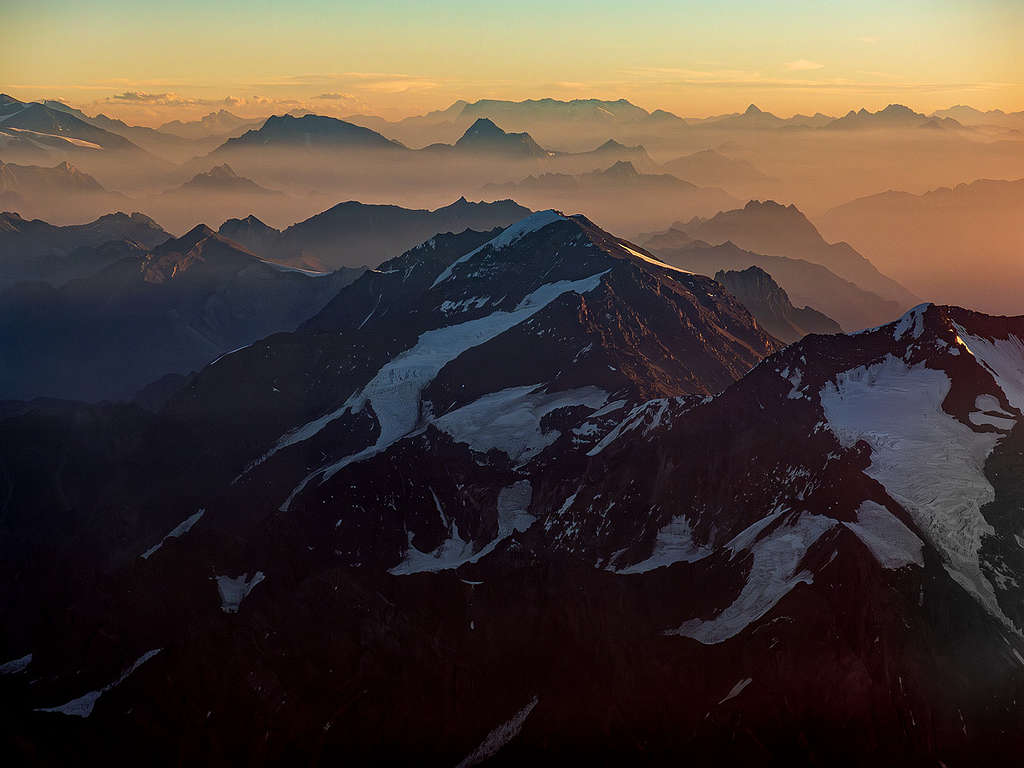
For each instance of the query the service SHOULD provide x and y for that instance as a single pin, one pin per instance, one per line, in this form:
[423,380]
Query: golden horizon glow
[149,63]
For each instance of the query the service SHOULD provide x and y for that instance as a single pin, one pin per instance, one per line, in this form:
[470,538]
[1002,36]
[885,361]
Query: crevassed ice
[929,462]
[510,419]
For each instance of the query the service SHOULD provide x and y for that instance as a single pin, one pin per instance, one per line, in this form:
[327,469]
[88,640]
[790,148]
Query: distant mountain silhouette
[754,118]
[38,251]
[653,197]
[960,244]
[219,123]
[170,309]
[710,167]
[581,121]
[311,132]
[222,179]
[356,234]
[893,116]
[771,307]
[805,283]
[782,230]
[484,137]
[966,115]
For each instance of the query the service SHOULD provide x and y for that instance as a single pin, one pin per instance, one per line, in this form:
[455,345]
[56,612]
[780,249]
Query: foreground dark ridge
[520,522]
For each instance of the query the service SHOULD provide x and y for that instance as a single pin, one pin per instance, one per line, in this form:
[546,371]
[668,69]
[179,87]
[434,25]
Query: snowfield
[930,463]
[394,392]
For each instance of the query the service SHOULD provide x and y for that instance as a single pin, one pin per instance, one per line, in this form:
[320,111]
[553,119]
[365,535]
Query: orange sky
[149,62]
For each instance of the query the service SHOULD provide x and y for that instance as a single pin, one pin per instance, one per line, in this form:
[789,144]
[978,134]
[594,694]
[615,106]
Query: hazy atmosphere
[460,383]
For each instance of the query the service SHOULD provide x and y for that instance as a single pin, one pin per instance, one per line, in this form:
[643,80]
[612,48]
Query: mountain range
[963,241]
[149,312]
[771,307]
[353,234]
[782,230]
[804,282]
[506,473]
[654,197]
[36,251]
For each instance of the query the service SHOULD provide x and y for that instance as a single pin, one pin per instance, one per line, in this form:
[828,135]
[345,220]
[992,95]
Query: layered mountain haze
[805,282]
[354,234]
[147,313]
[777,230]
[423,385]
[652,197]
[34,250]
[963,243]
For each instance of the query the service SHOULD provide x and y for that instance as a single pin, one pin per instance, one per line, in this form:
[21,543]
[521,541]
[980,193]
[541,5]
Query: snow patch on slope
[513,516]
[929,462]
[83,705]
[499,737]
[16,666]
[912,320]
[510,419]
[176,533]
[673,544]
[772,575]
[394,392]
[234,590]
[890,541]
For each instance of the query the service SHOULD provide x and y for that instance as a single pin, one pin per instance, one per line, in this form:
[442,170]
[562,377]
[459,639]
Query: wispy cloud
[868,39]
[803,65]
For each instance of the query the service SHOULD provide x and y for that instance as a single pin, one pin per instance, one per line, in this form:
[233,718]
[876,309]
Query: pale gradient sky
[148,61]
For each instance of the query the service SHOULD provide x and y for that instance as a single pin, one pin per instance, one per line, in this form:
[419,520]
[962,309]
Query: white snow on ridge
[911,319]
[510,419]
[772,575]
[513,515]
[176,533]
[523,227]
[655,262]
[499,737]
[234,590]
[1004,358]
[929,462]
[83,705]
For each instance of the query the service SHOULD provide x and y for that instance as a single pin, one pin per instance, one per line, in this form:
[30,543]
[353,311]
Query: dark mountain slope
[355,234]
[494,544]
[148,313]
[771,307]
[778,230]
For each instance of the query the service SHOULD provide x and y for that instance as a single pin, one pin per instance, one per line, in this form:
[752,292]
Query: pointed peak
[753,110]
[483,126]
[621,168]
[223,171]
[190,239]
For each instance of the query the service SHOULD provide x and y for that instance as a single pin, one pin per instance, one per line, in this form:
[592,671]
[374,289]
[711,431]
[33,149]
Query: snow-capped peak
[532,223]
